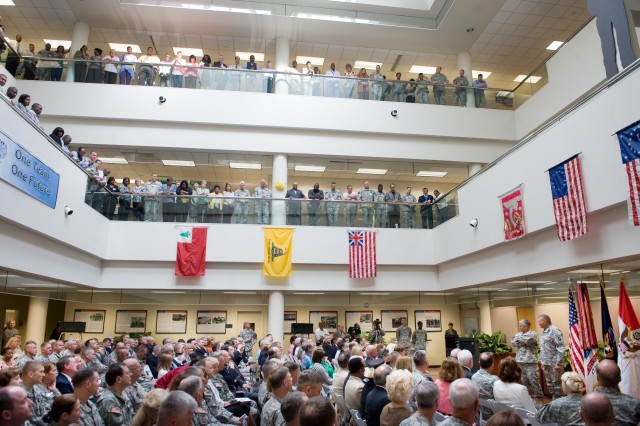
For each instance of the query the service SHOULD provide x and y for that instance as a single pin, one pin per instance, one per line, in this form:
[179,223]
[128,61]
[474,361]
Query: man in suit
[67,367]
[426,209]
[377,398]
[294,208]
[465,358]
[220,76]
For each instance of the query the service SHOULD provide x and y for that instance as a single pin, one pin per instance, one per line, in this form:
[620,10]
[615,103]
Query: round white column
[282,62]
[279,208]
[37,318]
[464,63]
[474,168]
[276,315]
[79,37]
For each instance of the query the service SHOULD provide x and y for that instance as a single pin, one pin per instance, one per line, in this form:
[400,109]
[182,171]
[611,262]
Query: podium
[450,343]
[472,345]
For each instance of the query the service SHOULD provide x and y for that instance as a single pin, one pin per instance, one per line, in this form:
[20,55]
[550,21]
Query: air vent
[396,62]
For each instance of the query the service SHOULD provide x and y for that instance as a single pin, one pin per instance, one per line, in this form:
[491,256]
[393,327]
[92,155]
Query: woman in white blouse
[227,207]
[507,390]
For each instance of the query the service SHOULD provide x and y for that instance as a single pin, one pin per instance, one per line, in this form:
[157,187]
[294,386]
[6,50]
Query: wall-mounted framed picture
[364,318]
[174,322]
[431,320]
[391,320]
[289,318]
[329,318]
[129,321]
[211,322]
[92,317]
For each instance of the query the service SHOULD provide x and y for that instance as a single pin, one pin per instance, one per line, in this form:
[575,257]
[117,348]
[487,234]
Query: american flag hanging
[629,139]
[362,254]
[569,205]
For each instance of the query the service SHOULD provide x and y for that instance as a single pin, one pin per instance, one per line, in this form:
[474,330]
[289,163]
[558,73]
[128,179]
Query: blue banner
[26,172]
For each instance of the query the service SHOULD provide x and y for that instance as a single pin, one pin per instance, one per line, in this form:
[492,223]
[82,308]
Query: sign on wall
[25,171]
[94,319]
[131,321]
[174,322]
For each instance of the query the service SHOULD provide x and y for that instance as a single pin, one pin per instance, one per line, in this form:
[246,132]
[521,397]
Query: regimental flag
[362,254]
[629,139]
[192,251]
[608,335]
[629,349]
[513,214]
[277,251]
[569,206]
[583,345]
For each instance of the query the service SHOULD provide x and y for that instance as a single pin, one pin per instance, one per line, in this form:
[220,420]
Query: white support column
[464,63]
[79,37]
[279,208]
[485,317]
[474,168]
[282,62]
[37,318]
[276,315]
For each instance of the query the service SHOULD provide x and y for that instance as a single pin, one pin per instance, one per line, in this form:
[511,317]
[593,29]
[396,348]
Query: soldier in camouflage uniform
[460,93]
[403,334]
[58,347]
[45,351]
[439,80]
[463,394]
[249,338]
[86,384]
[211,397]
[42,398]
[625,407]
[134,391]
[281,383]
[242,204]
[551,354]
[366,195]
[29,354]
[564,411]
[408,209]
[113,404]
[227,395]
[350,209]
[333,209]
[381,208]
[419,338]
[426,396]
[485,380]
[262,206]
[526,344]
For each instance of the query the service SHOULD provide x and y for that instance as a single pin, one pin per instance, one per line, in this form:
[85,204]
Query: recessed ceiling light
[417,69]
[314,60]
[178,163]
[366,65]
[95,291]
[113,160]
[425,173]
[319,169]
[55,43]
[485,74]
[555,45]
[531,282]
[372,171]
[7,3]
[308,294]
[244,56]
[592,271]
[533,79]
[239,292]
[122,47]
[375,294]
[167,292]
[188,51]
[254,166]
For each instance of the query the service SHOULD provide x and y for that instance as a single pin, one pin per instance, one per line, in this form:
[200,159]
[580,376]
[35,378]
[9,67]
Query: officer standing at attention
[333,209]
[478,92]
[315,195]
[242,204]
[403,334]
[551,354]
[526,343]
[113,404]
[439,80]
[409,210]
[350,209]
[262,205]
[460,93]
[419,338]
[366,195]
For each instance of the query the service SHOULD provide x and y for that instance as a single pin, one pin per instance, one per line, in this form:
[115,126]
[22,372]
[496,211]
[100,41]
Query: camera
[68,211]
[474,223]
[162,99]
[394,113]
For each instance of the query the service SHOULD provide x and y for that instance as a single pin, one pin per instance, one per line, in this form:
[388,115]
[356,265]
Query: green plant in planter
[118,338]
[492,343]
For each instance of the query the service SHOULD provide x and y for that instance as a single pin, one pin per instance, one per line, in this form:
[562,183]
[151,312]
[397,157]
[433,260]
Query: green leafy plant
[567,363]
[492,343]
[118,338]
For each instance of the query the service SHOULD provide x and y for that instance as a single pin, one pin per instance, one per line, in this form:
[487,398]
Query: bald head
[596,410]
[608,374]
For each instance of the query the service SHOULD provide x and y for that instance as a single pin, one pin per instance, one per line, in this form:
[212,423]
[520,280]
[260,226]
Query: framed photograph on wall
[364,318]
[93,318]
[211,322]
[431,320]
[329,318]
[289,318]
[131,321]
[174,322]
[391,320]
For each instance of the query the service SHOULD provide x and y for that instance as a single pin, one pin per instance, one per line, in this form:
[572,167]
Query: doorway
[257,319]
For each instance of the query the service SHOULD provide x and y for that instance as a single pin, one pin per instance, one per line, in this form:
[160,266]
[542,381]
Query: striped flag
[628,359]
[629,139]
[576,357]
[362,254]
[569,205]
[583,345]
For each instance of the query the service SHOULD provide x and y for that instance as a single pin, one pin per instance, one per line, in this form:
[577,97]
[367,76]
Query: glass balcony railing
[220,209]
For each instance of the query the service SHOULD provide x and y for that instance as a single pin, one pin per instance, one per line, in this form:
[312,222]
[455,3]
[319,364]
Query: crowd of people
[323,379]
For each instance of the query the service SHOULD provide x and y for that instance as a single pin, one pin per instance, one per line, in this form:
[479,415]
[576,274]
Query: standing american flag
[362,254]
[582,338]
[576,356]
[569,205]
[629,139]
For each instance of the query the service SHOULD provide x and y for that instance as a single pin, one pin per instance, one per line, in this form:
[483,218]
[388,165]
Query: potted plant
[495,344]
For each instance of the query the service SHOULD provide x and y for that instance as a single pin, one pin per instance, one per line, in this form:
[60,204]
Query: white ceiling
[509,37]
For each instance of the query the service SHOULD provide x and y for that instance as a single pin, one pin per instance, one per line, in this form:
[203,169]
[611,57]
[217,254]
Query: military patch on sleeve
[115,409]
[201,410]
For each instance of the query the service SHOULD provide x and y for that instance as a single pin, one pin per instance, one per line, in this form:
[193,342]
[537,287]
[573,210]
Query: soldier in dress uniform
[350,208]
[86,384]
[403,334]
[333,209]
[242,204]
[408,209]
[366,195]
[381,208]
[419,338]
[249,338]
[114,405]
[551,354]
[262,206]
[439,80]
[526,343]
[460,92]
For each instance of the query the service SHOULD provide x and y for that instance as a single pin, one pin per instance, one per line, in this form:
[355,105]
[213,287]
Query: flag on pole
[277,252]
[362,254]
[513,214]
[629,139]
[629,350]
[569,205]
[608,335]
[576,357]
[192,251]
[589,339]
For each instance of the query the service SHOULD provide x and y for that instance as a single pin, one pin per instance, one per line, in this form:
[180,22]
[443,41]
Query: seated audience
[176,409]
[596,410]
[65,411]
[399,388]
[565,410]
[318,411]
[625,407]
[505,418]
[450,370]
[507,390]
[463,395]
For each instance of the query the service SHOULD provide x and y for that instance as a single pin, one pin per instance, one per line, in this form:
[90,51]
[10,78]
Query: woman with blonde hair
[147,415]
[399,389]
[14,343]
[404,363]
[164,365]
[450,370]
[565,410]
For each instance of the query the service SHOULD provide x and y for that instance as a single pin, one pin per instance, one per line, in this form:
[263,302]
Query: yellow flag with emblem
[277,251]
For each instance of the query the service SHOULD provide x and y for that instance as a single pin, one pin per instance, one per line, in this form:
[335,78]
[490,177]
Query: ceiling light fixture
[485,74]
[593,271]
[307,294]
[374,294]
[314,60]
[555,45]
[372,171]
[122,47]
[113,160]
[188,51]
[366,65]
[7,3]
[318,169]
[425,173]
[95,291]
[178,163]
[239,292]
[244,56]
[253,166]
[533,79]
[167,292]
[417,69]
